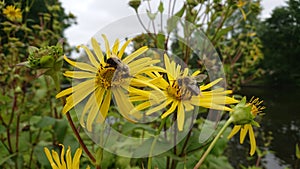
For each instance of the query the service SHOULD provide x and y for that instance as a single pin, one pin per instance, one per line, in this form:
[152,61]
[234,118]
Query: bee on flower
[107,76]
[181,93]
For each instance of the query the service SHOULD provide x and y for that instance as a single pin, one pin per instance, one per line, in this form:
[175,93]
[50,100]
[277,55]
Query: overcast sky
[92,15]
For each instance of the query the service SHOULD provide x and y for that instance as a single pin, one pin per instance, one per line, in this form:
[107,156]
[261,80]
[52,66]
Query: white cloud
[92,15]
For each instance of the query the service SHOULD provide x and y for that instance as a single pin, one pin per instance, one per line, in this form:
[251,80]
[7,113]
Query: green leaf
[46,121]
[172,23]
[3,160]
[60,129]
[129,127]
[181,11]
[297,151]
[160,41]
[223,31]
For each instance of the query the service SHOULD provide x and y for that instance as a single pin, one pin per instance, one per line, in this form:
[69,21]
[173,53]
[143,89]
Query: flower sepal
[241,113]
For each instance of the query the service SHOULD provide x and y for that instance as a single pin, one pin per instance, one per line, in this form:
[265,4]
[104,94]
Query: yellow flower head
[105,77]
[12,13]
[61,162]
[243,115]
[181,93]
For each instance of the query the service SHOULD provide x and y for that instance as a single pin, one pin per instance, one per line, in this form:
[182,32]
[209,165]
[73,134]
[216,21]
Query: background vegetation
[254,52]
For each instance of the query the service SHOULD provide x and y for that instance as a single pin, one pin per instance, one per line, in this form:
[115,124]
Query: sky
[92,15]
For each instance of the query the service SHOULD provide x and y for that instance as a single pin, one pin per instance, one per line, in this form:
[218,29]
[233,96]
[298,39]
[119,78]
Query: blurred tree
[28,111]
[280,35]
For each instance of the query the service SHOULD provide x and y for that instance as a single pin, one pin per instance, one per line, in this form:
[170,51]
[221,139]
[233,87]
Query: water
[282,118]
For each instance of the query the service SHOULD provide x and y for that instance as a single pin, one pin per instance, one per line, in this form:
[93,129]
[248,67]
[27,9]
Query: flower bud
[241,113]
[135,4]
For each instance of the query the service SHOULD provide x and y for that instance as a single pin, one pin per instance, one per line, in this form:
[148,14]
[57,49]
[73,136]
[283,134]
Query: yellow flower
[245,125]
[61,162]
[181,97]
[12,13]
[105,77]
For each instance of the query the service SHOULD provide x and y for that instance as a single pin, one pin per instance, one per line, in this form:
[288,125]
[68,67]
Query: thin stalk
[154,142]
[212,144]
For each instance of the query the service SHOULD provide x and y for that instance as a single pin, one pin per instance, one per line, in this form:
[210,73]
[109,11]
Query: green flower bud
[241,113]
[135,4]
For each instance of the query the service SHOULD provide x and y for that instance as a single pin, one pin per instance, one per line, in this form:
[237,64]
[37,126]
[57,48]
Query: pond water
[282,119]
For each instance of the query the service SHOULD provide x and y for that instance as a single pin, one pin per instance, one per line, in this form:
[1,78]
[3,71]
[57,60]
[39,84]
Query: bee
[122,70]
[190,83]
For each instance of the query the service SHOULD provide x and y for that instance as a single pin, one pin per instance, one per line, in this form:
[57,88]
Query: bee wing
[200,78]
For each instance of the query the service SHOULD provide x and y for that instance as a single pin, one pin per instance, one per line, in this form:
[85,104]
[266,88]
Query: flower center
[179,92]
[108,76]
[104,76]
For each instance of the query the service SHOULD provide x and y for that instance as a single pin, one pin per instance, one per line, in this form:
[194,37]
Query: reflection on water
[282,118]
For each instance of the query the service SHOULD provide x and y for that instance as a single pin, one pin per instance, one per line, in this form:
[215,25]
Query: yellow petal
[91,101]
[62,158]
[178,70]
[48,154]
[97,50]
[171,109]
[139,92]
[91,56]
[252,141]
[79,74]
[133,80]
[124,105]
[135,54]
[235,130]
[74,88]
[121,52]
[147,69]
[138,98]
[77,97]
[143,105]
[159,107]
[95,108]
[168,67]
[80,65]
[115,47]
[56,159]
[107,47]
[244,131]
[185,72]
[197,72]
[69,158]
[204,87]
[139,62]
[76,159]
[188,107]
[104,107]
[180,116]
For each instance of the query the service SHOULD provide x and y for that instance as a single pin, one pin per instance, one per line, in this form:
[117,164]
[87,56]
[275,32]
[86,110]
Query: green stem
[212,144]
[71,123]
[154,142]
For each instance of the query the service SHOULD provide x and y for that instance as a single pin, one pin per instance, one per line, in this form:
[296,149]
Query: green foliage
[29,115]
[280,36]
